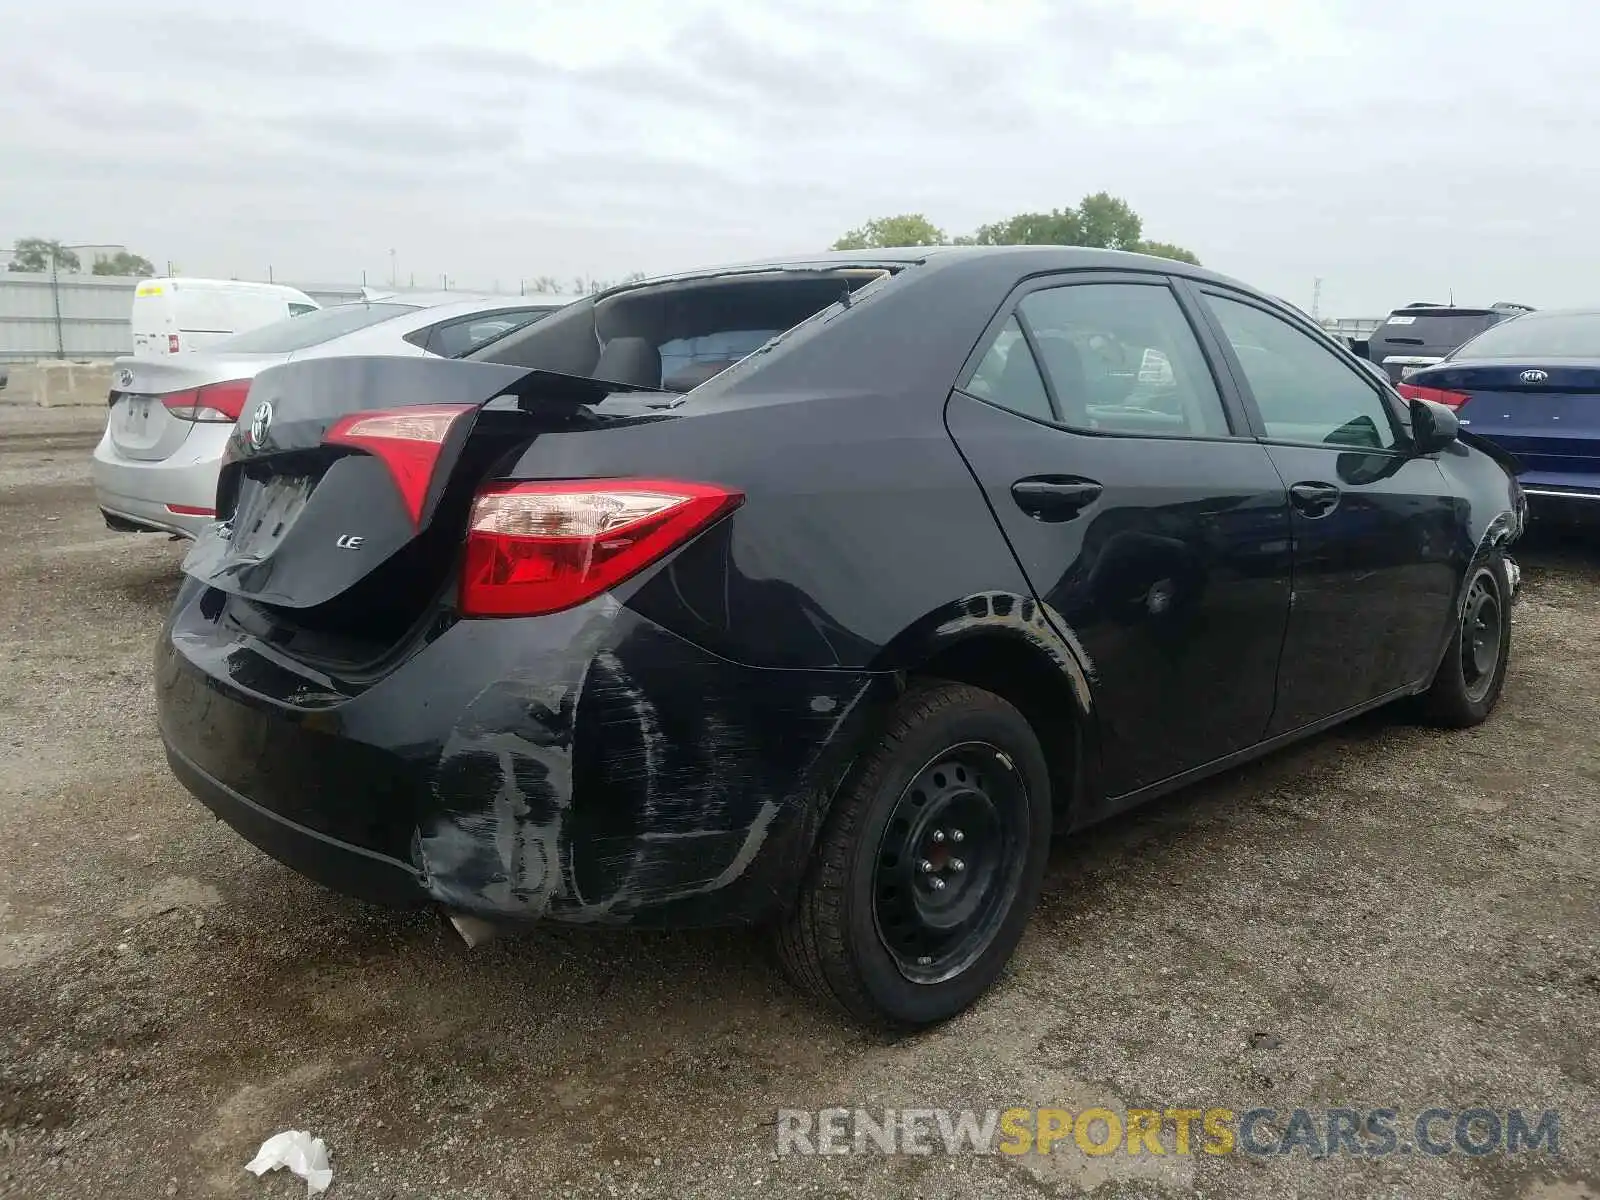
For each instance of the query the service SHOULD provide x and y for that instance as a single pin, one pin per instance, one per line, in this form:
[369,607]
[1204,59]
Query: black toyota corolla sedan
[817,594]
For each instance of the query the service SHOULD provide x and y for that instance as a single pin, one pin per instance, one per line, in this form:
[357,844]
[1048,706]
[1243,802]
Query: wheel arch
[1011,646]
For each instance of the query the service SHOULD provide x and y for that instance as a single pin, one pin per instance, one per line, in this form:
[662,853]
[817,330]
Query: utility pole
[55,296]
[1316,298]
[394,279]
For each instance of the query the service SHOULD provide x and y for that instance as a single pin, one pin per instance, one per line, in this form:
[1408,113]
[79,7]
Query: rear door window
[1122,358]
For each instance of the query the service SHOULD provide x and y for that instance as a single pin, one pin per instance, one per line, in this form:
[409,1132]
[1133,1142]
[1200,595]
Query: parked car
[177,316]
[1419,335]
[155,469]
[1532,387]
[968,546]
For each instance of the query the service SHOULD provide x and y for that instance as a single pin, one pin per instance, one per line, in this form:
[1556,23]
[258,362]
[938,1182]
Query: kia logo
[1535,376]
[259,424]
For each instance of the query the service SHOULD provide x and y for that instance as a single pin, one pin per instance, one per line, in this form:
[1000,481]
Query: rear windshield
[1539,335]
[311,329]
[1437,331]
[676,335]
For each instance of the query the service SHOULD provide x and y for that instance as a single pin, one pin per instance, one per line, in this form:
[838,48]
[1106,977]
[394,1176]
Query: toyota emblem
[260,423]
[1535,376]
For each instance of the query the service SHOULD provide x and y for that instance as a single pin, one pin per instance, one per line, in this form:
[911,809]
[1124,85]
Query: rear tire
[929,863]
[1473,671]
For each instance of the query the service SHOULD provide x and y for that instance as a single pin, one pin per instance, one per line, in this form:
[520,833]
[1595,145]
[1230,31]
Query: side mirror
[1433,426]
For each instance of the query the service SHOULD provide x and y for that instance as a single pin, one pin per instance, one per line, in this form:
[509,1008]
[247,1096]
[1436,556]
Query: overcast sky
[1398,149]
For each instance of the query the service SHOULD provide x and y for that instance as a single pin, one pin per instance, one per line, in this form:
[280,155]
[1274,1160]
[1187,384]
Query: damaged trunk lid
[343,496]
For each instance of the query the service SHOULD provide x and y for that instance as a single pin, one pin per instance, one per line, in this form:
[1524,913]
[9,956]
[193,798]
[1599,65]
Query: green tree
[1106,222]
[1167,250]
[1059,227]
[1102,220]
[36,255]
[123,263]
[907,229]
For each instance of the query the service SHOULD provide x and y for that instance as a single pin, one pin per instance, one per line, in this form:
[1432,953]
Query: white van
[173,316]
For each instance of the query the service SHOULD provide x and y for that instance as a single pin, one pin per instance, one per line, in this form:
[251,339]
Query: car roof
[457,306]
[158,285]
[1451,310]
[1033,258]
[1540,313]
[395,328]
[443,299]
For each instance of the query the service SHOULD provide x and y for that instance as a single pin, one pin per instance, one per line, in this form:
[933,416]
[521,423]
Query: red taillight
[216,402]
[172,343]
[540,547]
[1412,391]
[408,440]
[190,510]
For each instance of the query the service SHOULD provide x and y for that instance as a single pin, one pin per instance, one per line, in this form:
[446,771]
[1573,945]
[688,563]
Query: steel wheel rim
[1482,623]
[949,859]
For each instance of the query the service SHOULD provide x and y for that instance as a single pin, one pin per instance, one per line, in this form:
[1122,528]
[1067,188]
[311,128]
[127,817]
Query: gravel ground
[1385,917]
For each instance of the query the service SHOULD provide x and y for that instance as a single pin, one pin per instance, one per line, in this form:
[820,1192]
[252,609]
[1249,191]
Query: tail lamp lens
[216,403]
[541,547]
[1412,391]
[408,440]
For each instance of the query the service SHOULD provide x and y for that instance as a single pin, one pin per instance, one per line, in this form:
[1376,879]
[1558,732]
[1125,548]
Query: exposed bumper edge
[352,870]
[121,522]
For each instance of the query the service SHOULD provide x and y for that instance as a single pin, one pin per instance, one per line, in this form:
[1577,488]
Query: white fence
[74,316]
[84,316]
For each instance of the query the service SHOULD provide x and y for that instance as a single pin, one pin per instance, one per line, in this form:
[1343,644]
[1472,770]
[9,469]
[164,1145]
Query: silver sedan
[155,469]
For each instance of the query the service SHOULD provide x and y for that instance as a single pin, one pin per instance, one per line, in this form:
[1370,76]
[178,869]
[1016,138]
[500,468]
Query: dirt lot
[1386,917]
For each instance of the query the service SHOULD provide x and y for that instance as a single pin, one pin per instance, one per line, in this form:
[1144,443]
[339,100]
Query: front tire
[1473,671]
[929,863]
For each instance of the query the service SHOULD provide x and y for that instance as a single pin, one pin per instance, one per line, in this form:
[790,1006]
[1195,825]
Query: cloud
[1352,140]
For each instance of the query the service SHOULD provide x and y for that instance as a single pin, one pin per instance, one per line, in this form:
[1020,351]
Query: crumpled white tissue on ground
[303,1154]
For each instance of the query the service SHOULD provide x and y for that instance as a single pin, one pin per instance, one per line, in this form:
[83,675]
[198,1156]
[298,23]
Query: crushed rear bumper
[582,766]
